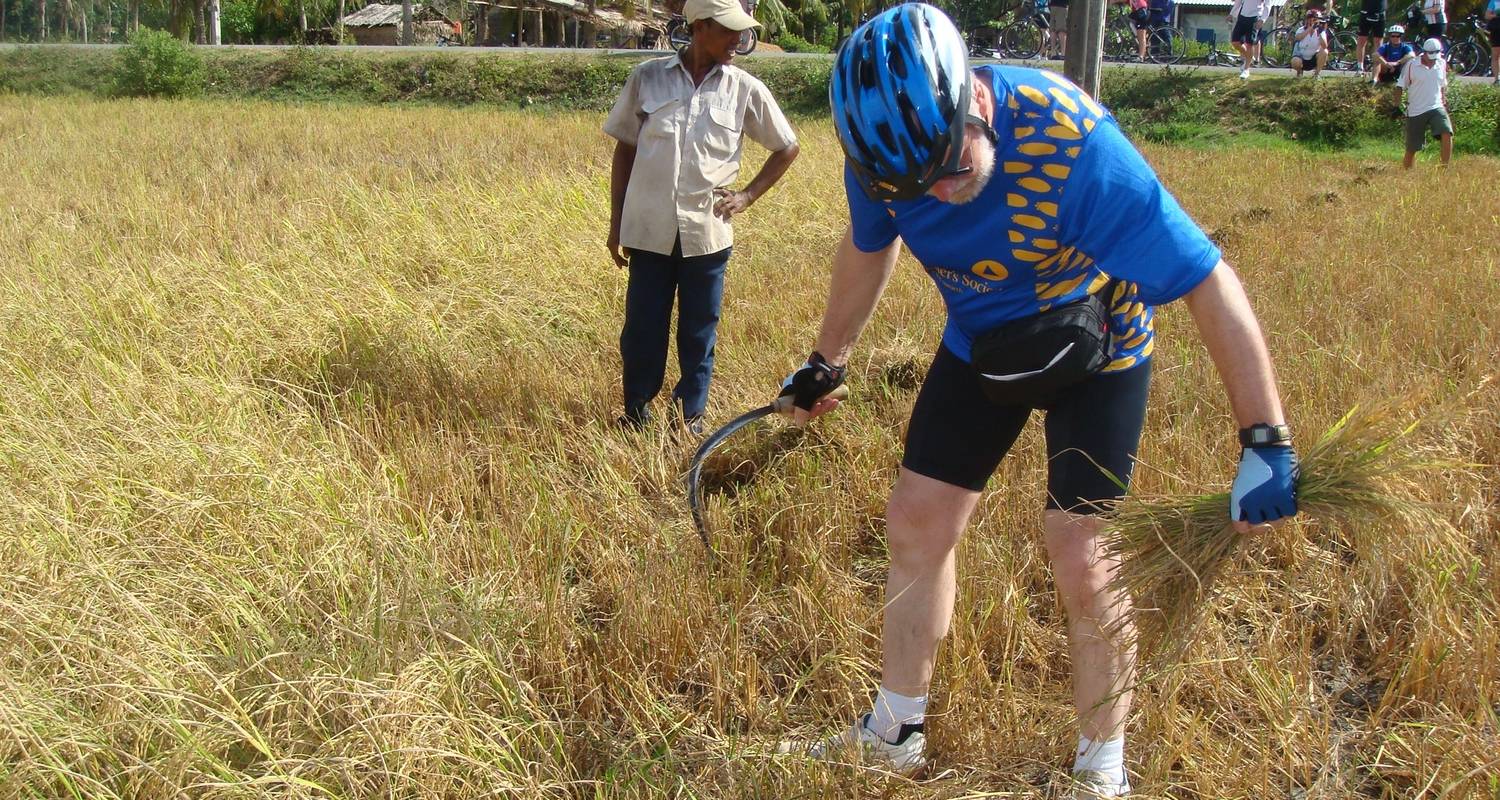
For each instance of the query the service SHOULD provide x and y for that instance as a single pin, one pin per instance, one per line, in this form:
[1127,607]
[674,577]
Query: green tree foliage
[157,64]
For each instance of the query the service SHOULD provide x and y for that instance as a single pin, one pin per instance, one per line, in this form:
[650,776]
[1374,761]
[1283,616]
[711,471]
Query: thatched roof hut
[380,23]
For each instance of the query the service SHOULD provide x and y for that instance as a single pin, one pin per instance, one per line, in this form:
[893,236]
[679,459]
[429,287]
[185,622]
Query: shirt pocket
[661,117]
[723,132]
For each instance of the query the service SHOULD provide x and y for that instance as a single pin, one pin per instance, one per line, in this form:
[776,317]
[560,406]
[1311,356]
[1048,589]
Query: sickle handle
[783,404]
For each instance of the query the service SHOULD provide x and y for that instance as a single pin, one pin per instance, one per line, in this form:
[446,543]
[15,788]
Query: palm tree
[773,15]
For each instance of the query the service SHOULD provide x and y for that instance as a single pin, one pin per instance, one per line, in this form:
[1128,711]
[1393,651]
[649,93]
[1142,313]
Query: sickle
[782,405]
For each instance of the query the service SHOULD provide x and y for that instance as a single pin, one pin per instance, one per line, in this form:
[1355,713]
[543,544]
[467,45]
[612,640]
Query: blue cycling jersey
[1071,205]
[1395,52]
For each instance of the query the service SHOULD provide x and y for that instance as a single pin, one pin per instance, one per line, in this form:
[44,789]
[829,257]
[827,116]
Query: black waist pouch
[1026,361]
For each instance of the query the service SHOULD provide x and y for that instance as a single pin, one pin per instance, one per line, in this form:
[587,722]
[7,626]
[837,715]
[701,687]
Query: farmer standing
[678,125]
[1041,226]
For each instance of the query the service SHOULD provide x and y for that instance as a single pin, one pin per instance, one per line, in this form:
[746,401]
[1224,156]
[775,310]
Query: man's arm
[619,180]
[1265,488]
[729,202]
[858,280]
[1230,331]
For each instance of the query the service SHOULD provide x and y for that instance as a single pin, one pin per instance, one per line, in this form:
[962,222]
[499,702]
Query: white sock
[894,710]
[1107,758]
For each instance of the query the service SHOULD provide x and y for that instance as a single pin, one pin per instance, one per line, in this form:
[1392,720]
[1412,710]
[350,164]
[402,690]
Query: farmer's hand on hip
[1265,490]
[808,387]
[728,202]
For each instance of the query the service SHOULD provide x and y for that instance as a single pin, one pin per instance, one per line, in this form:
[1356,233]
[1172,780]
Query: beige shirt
[688,143]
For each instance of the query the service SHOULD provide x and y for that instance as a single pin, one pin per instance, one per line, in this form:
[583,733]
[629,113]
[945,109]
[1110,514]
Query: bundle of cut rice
[1359,476]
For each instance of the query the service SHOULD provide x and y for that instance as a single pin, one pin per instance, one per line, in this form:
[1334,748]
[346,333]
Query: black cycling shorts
[958,436]
[1244,30]
[1493,26]
[1372,26]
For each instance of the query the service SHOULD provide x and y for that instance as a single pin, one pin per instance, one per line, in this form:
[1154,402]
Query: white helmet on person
[1433,46]
[1396,30]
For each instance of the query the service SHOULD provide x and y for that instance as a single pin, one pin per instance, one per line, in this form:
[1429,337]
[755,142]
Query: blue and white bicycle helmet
[900,95]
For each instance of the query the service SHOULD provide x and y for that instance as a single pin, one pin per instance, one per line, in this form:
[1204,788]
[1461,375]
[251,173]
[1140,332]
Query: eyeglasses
[949,167]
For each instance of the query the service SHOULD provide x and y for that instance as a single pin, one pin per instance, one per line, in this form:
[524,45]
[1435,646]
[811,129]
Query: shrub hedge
[1167,105]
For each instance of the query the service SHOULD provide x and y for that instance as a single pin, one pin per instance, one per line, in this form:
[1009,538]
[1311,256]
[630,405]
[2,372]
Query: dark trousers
[655,280]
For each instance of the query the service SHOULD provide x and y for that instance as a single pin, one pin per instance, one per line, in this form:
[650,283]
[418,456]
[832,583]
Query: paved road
[511,51]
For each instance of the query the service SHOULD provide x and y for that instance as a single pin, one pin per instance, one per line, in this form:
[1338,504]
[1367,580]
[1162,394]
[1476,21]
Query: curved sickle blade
[781,405]
[695,469]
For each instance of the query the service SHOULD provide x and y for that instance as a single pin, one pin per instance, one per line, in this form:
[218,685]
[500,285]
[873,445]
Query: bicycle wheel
[1022,40]
[748,40]
[1166,45]
[1341,47]
[1466,58]
[1276,50]
[1119,43]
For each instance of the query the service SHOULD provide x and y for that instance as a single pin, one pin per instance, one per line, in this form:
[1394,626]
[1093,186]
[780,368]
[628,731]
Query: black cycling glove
[816,378]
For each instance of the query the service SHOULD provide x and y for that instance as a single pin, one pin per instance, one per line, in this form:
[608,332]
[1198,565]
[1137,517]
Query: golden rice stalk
[1358,477]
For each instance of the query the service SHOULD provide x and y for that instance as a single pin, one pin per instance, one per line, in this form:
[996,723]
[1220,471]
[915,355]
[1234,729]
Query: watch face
[1262,434]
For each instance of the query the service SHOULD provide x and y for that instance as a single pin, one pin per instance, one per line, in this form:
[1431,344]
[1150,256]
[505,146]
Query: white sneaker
[860,745]
[1245,74]
[1091,785]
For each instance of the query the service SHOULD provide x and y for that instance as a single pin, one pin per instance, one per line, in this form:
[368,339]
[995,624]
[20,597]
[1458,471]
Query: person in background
[1435,14]
[1043,21]
[1248,17]
[1492,24]
[1392,56]
[679,125]
[1140,21]
[1160,14]
[1310,45]
[1425,81]
[1371,27]
[1060,28]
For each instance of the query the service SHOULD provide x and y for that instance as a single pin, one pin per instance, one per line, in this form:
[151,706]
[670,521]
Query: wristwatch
[1262,435]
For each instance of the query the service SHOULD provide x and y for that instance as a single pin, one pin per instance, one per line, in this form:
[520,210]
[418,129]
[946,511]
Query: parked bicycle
[1164,43]
[679,34]
[1221,58]
[1026,37]
[1471,56]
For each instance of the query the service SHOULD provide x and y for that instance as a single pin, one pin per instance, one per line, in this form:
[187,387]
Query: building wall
[383,35]
[424,33]
[1190,22]
[1192,19]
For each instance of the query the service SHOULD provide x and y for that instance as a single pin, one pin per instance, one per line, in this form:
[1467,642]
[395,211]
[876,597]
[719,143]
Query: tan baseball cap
[728,13]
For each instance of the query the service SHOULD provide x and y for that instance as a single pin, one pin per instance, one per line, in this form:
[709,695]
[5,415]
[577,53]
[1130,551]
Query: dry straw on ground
[309,487]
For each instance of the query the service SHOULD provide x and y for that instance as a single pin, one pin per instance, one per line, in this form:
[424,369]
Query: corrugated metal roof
[375,15]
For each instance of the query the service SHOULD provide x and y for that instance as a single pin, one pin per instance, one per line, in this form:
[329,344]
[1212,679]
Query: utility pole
[1085,51]
[215,28]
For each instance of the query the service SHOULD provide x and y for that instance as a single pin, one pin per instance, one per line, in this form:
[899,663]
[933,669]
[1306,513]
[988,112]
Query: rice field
[311,489]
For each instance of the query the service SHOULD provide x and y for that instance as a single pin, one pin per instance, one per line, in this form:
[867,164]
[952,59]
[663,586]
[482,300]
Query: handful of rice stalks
[1175,548]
